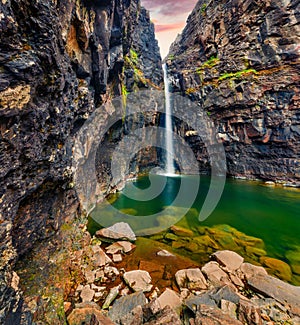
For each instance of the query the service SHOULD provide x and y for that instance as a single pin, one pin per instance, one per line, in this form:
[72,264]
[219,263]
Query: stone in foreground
[120,247]
[138,280]
[230,260]
[170,298]
[213,316]
[88,313]
[192,279]
[119,231]
[283,292]
[125,305]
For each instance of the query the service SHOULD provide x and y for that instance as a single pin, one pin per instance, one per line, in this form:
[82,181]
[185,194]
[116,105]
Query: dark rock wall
[240,61]
[58,61]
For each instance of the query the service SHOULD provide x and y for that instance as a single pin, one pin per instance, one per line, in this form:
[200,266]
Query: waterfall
[169,140]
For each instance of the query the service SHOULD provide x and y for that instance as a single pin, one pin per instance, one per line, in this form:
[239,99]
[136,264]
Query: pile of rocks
[226,290]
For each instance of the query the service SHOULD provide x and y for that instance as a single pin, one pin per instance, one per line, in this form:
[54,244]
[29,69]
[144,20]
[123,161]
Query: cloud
[168,27]
[169,8]
[169,17]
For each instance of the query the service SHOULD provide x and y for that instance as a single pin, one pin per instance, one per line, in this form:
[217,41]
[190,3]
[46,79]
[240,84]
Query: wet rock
[120,247]
[101,259]
[194,302]
[215,274]
[118,231]
[135,317]
[166,316]
[170,298]
[249,270]
[87,294]
[277,268]
[89,314]
[229,308]
[125,305]
[113,293]
[226,293]
[249,313]
[213,316]
[277,289]
[192,279]
[230,260]
[138,280]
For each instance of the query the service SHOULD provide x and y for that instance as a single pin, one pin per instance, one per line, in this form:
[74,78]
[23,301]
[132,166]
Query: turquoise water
[269,213]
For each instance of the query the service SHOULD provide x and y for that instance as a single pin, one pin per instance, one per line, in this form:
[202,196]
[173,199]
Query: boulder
[283,292]
[208,315]
[138,280]
[170,298]
[230,260]
[166,316]
[119,231]
[215,274]
[125,305]
[88,313]
[249,313]
[249,270]
[120,247]
[192,279]
[100,258]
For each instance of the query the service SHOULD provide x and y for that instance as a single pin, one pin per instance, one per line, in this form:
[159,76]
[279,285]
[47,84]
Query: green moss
[210,63]
[203,8]
[171,57]
[134,57]
[238,74]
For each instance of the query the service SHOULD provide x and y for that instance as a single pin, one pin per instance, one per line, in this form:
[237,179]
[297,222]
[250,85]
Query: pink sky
[169,17]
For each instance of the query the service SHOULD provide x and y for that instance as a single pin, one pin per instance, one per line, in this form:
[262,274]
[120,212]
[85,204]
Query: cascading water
[169,140]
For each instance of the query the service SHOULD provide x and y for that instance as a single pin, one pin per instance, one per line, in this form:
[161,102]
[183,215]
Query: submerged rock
[277,267]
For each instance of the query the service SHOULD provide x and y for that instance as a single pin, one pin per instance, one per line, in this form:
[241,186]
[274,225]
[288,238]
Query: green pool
[247,209]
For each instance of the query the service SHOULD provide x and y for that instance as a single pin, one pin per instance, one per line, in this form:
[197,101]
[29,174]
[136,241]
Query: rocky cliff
[59,61]
[240,61]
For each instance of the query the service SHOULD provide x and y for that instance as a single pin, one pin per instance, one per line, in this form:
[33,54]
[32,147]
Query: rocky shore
[107,290]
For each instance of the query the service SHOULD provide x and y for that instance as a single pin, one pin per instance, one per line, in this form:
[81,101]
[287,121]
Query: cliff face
[59,61]
[240,61]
